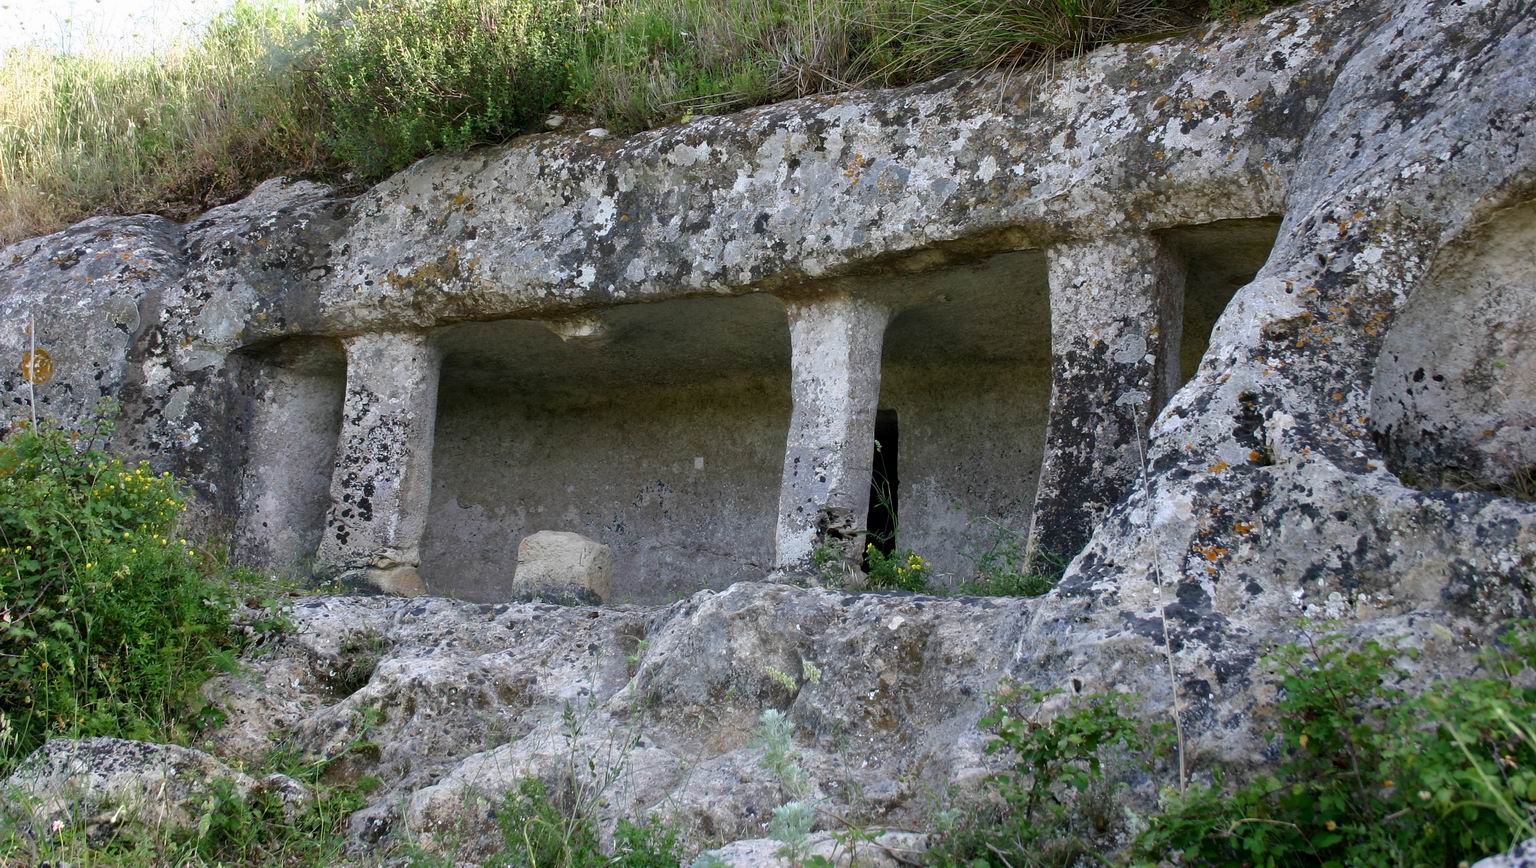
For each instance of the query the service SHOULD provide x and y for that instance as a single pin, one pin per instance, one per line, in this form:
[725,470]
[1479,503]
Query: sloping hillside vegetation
[351,93]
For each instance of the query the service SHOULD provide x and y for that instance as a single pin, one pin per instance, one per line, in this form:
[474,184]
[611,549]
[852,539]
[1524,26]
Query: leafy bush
[538,831]
[648,844]
[901,570]
[399,79]
[1373,775]
[107,623]
[1053,801]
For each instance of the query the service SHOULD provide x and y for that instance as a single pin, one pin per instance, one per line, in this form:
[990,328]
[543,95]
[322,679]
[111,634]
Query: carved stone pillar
[835,342]
[382,483]
[1116,314]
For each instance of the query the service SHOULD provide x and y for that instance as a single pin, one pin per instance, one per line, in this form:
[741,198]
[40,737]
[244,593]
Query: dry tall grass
[174,133]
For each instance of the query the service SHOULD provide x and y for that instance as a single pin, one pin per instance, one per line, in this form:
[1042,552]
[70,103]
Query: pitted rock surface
[103,783]
[465,700]
[1295,476]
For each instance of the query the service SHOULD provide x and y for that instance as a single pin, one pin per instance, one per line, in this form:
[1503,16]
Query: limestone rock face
[559,561]
[105,782]
[1520,856]
[1352,445]
[653,708]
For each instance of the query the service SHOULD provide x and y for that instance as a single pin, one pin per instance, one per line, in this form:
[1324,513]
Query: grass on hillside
[361,89]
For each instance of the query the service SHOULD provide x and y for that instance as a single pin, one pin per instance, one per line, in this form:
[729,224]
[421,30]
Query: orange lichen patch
[1376,324]
[1219,466]
[36,366]
[855,167]
[1255,455]
[1212,552]
[446,268]
[1242,527]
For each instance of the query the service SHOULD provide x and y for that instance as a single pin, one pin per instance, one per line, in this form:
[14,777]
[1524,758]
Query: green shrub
[648,844]
[1005,568]
[400,79]
[1372,775]
[536,831]
[107,623]
[1053,804]
[901,570]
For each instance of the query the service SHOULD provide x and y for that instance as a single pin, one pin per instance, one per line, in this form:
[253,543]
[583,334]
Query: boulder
[564,564]
[104,783]
[885,850]
[1518,856]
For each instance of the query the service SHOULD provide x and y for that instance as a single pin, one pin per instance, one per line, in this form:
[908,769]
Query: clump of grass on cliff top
[649,62]
[398,79]
[174,133]
[360,88]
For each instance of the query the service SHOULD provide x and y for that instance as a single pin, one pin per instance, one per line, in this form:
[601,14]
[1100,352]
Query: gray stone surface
[1303,471]
[100,784]
[652,708]
[561,228]
[1267,498]
[285,488]
[1520,856]
[1116,315]
[552,560]
[836,344]
[1455,406]
[382,479]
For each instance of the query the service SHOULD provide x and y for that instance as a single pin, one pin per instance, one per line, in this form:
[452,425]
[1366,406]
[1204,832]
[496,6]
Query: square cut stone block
[565,564]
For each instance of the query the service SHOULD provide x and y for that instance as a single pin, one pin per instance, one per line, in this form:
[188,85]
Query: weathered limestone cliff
[682,344]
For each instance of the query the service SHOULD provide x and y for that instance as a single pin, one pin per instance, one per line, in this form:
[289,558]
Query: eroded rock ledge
[1340,452]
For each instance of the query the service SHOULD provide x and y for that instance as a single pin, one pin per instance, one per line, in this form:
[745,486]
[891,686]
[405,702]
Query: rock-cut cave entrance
[294,389]
[966,370]
[657,429]
[1219,259]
